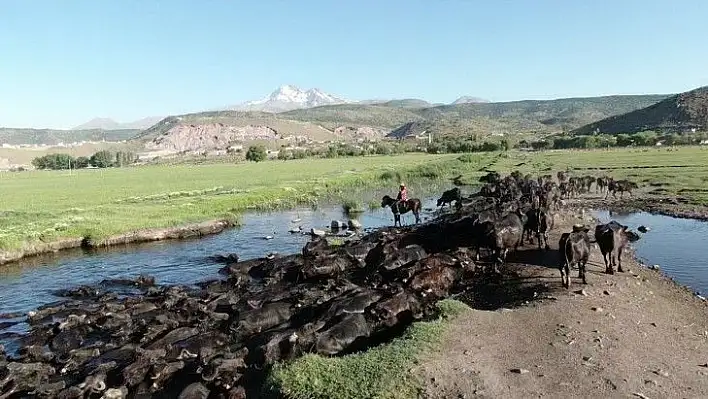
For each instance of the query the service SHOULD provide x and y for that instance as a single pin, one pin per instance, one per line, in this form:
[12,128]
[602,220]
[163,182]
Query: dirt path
[634,334]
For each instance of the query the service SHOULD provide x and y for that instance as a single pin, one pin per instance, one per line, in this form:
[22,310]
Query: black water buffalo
[503,235]
[449,196]
[540,222]
[612,239]
[574,247]
[342,334]
[622,186]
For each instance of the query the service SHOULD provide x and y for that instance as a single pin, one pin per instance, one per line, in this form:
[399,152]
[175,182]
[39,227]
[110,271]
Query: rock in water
[354,224]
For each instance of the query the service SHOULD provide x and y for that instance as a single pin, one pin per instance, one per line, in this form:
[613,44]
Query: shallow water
[31,283]
[676,245]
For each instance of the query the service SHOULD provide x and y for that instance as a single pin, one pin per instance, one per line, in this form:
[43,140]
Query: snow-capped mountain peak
[289,97]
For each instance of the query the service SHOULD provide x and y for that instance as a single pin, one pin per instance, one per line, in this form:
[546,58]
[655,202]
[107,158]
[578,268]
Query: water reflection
[672,243]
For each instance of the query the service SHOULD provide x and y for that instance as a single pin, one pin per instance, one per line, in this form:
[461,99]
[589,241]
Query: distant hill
[411,129]
[351,121]
[528,116]
[53,137]
[677,113]
[406,103]
[469,99]
[110,124]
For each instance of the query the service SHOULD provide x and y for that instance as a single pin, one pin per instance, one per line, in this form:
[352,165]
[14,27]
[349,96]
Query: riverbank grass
[380,372]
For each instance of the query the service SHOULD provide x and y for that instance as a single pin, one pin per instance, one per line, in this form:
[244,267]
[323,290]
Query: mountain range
[289,97]
[284,98]
[290,113]
[110,124]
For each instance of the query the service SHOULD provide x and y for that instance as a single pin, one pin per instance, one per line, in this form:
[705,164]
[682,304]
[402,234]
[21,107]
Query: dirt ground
[632,334]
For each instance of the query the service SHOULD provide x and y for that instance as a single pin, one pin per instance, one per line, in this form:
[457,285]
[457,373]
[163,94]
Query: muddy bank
[609,338]
[138,236]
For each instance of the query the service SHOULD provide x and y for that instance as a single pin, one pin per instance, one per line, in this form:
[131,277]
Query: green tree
[283,155]
[82,162]
[124,158]
[102,159]
[256,153]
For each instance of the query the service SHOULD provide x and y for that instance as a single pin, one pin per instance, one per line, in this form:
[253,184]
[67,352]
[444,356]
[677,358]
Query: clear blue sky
[64,62]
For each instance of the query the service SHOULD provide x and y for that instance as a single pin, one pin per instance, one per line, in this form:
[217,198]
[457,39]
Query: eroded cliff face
[365,132]
[209,136]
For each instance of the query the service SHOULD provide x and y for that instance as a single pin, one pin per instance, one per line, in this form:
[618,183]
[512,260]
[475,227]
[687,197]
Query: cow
[540,222]
[449,196]
[622,186]
[612,239]
[503,235]
[436,281]
[601,184]
[574,247]
[390,310]
[342,334]
[265,317]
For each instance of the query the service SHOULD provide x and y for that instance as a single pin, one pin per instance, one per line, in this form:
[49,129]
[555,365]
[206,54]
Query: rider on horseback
[402,196]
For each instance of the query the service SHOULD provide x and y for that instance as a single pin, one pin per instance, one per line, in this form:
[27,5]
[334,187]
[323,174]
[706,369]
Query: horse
[398,208]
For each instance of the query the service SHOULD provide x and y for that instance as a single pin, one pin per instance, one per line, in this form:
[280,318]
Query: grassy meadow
[97,203]
[47,205]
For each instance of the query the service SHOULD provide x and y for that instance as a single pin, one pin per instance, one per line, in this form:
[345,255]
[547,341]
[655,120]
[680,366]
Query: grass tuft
[352,207]
[380,372]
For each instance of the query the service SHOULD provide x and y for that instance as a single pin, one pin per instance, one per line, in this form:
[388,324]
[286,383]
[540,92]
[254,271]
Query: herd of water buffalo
[525,206]
[219,338]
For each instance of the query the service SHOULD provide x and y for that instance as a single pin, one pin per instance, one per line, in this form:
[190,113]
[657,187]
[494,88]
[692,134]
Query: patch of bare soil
[632,334]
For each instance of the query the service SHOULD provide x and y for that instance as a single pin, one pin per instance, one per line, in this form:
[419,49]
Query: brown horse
[399,208]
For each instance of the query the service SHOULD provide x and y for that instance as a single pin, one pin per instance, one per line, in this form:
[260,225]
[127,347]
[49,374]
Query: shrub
[256,153]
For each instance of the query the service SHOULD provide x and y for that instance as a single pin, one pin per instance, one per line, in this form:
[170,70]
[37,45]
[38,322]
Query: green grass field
[46,205]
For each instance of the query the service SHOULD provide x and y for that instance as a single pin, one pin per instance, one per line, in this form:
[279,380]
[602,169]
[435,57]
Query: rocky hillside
[352,121]
[677,113]
[219,130]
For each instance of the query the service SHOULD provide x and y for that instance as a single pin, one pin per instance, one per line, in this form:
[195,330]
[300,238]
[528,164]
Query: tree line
[641,139]
[101,159]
